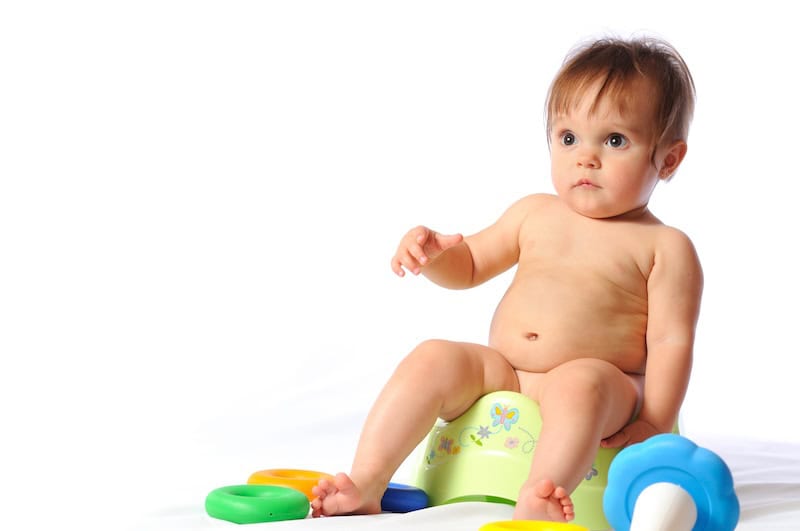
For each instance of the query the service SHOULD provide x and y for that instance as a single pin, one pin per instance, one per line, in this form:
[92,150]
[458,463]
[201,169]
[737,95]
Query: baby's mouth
[585,183]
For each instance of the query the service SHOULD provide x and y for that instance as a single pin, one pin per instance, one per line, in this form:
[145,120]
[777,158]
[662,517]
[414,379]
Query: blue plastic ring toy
[400,498]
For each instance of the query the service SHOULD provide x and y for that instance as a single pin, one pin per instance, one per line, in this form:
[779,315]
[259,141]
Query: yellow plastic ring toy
[302,480]
[531,525]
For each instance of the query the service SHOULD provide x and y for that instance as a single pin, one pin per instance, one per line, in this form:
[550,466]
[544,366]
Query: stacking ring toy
[302,480]
[531,525]
[251,504]
[400,498]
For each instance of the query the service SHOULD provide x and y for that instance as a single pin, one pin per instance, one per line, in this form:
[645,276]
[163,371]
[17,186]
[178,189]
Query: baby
[598,323]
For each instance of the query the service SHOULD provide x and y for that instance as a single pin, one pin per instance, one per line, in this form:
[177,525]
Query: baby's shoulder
[672,244]
[540,199]
[536,203]
[667,236]
[532,209]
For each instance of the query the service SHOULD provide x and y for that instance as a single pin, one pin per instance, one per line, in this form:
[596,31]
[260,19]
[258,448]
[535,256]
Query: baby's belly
[538,328]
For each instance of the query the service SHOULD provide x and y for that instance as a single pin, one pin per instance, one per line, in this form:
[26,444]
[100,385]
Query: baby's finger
[450,240]
[397,267]
[421,234]
[416,251]
[409,262]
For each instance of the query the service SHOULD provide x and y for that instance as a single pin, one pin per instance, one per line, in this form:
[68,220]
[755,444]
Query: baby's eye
[568,139]
[616,140]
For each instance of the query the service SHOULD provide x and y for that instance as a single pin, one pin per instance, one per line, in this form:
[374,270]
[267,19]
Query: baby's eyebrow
[559,123]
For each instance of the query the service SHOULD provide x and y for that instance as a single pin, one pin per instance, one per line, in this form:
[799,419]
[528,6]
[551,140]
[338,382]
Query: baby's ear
[671,157]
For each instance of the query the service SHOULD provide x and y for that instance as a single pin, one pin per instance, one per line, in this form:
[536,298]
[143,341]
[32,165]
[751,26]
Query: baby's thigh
[463,372]
[596,386]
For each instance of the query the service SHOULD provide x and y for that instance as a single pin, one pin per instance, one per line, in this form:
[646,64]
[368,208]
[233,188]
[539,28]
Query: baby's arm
[674,290]
[456,262]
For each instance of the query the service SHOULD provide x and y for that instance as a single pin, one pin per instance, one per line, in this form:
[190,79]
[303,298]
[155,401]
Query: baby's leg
[438,379]
[581,401]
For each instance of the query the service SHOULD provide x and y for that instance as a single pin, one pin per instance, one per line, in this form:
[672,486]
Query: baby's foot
[340,495]
[544,501]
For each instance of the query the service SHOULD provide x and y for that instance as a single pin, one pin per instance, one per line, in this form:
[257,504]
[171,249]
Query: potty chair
[485,455]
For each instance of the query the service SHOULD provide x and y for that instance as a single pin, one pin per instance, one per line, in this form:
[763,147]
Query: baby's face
[602,160]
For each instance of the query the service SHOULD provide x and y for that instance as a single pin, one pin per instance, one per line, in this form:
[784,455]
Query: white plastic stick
[664,507]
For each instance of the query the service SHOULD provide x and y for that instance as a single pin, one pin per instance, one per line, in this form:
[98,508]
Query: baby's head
[618,67]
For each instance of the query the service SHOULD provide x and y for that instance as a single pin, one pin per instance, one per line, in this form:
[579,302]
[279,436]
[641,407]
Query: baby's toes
[321,490]
[567,507]
[328,486]
[569,512]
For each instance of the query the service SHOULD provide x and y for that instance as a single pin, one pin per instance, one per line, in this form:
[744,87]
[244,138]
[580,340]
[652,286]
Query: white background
[199,201]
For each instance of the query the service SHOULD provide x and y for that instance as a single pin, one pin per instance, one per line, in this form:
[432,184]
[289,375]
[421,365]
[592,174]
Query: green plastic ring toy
[251,504]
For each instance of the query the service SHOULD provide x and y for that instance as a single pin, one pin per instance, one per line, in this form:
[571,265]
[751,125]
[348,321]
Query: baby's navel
[532,336]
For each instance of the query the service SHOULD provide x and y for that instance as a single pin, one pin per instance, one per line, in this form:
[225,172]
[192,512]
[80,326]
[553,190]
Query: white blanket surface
[766,475]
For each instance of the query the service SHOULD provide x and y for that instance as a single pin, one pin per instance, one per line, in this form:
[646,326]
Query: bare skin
[603,294]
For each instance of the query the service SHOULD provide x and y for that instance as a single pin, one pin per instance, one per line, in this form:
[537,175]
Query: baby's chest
[615,252]
[605,269]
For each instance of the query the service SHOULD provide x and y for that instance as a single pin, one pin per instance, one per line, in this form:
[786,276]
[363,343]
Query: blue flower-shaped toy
[675,460]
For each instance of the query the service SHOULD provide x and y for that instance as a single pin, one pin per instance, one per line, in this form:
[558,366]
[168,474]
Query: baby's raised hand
[419,247]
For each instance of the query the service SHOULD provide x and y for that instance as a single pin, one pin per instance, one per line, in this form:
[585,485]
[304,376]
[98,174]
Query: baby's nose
[588,159]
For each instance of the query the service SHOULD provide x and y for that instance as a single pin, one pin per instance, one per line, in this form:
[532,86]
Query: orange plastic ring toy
[301,480]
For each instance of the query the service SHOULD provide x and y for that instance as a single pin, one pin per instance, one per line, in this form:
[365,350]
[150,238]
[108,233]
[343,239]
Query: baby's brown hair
[615,63]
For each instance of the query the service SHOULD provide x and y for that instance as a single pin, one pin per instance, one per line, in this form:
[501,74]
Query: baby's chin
[593,212]
[605,211]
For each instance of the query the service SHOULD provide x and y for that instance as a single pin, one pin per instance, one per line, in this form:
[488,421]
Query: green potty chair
[485,455]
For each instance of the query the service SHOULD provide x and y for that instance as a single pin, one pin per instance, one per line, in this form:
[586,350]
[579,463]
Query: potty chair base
[485,455]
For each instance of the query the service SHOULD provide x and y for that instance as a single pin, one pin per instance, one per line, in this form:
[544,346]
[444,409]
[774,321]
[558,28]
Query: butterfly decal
[446,444]
[504,416]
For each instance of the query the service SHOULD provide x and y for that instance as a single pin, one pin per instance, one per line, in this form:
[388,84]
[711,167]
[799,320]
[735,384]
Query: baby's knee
[435,349]
[429,354]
